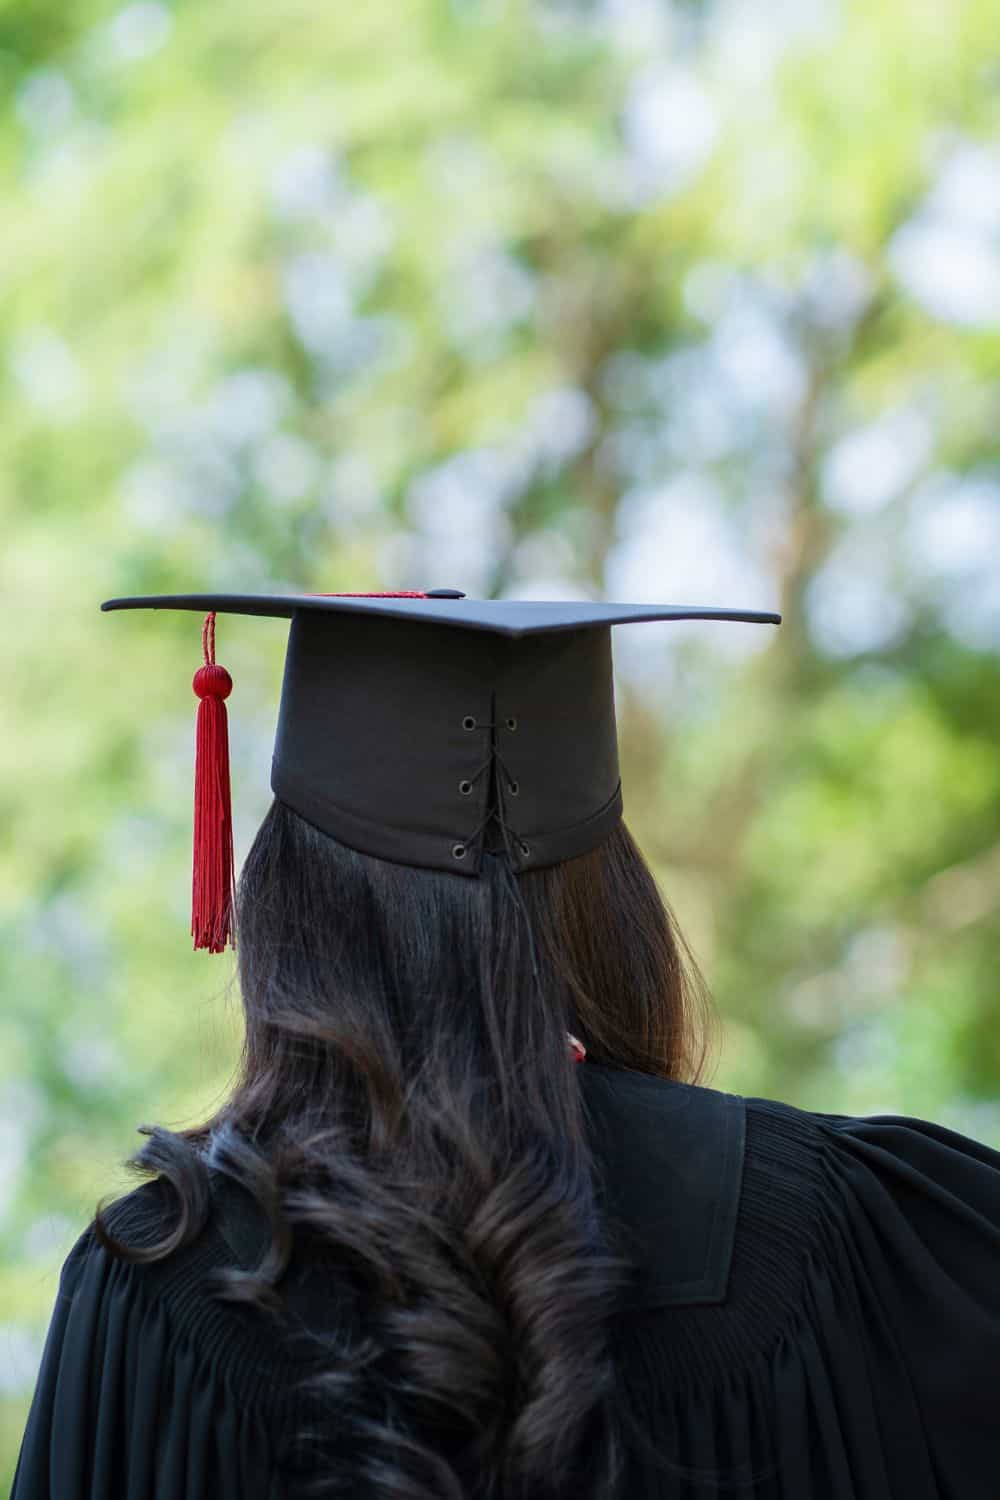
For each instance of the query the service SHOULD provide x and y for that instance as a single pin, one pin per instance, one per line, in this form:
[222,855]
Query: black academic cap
[431,729]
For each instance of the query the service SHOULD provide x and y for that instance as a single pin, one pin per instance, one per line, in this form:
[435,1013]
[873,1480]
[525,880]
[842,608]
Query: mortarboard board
[430,728]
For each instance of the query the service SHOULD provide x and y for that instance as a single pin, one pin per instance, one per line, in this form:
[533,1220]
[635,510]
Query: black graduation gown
[817,1317]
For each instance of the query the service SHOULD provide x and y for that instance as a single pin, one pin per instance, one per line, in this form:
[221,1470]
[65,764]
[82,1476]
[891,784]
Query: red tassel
[212,880]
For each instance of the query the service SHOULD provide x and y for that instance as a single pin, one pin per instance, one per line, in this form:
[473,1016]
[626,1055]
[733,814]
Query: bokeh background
[629,299]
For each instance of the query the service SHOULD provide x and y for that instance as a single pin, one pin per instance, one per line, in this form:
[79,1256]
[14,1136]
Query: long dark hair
[405,1096]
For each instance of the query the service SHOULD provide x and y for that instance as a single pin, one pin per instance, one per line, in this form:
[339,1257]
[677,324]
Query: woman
[422,1250]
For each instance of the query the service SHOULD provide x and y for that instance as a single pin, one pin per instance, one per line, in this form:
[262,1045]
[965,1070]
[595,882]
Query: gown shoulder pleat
[857,1355]
[143,1392]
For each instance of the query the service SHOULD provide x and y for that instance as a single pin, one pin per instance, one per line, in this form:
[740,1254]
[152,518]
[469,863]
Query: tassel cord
[213,875]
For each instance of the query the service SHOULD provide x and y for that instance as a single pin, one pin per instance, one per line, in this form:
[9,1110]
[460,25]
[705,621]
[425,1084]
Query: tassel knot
[212,681]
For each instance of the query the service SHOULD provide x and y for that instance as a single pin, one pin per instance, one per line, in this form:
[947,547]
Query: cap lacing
[504,783]
[511,786]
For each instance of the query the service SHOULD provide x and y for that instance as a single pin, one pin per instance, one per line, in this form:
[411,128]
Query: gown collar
[669,1159]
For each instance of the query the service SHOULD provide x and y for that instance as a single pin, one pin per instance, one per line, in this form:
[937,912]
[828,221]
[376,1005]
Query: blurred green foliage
[695,302]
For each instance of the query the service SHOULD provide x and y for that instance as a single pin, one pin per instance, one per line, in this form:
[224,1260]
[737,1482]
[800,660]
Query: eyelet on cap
[458,851]
[511,722]
[525,848]
[465,787]
[468,722]
[513,787]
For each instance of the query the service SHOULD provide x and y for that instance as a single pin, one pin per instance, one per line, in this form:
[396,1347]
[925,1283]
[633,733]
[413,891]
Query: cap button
[445,594]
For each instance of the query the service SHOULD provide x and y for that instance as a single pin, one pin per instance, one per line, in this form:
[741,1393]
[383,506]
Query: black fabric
[847,1347]
[389,740]
[513,617]
[688,1172]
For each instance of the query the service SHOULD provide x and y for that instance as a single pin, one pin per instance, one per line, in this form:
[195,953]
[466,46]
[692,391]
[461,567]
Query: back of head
[414,974]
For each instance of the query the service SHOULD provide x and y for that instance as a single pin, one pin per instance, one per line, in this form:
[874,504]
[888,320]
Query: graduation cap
[426,728]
